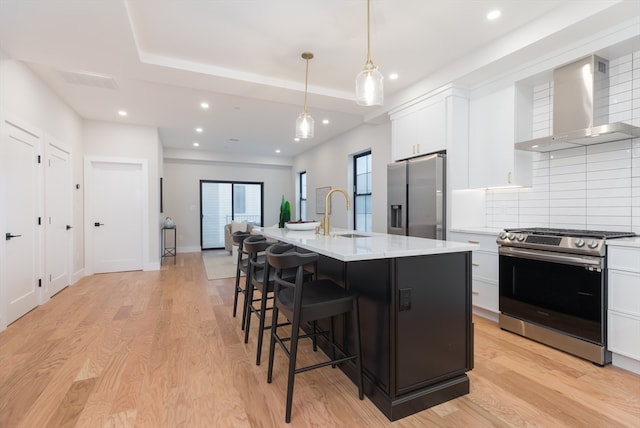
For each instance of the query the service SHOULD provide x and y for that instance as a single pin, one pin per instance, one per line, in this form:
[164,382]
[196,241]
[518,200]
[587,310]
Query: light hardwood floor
[161,349]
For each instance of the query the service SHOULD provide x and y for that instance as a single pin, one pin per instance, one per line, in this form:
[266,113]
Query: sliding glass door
[224,201]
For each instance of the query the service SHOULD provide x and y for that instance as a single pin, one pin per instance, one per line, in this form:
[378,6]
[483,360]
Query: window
[362,192]
[302,196]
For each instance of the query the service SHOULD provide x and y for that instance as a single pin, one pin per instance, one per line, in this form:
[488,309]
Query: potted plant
[285,212]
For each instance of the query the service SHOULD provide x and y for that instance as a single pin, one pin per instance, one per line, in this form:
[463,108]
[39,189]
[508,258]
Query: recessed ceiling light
[494,14]
[296,139]
[198,129]
[196,144]
[325,121]
[204,105]
[122,113]
[393,76]
[277,150]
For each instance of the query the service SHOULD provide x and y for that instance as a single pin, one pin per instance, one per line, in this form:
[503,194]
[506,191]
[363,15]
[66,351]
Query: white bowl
[308,225]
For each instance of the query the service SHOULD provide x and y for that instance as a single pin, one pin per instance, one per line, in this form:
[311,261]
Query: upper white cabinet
[419,128]
[493,160]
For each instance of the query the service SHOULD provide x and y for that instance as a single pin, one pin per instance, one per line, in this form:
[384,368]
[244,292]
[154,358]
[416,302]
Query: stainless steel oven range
[553,288]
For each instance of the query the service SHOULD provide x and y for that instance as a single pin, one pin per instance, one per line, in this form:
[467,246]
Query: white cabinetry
[484,270]
[419,129]
[431,123]
[623,316]
[493,160]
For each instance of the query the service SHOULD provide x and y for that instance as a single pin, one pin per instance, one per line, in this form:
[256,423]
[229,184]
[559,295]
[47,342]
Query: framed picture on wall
[321,195]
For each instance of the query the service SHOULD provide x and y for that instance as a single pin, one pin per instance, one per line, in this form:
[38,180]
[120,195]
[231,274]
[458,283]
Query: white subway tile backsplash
[568,222]
[609,223]
[571,172]
[569,202]
[568,211]
[537,197]
[594,187]
[623,87]
[596,194]
[555,195]
[566,187]
[609,183]
[609,212]
[621,78]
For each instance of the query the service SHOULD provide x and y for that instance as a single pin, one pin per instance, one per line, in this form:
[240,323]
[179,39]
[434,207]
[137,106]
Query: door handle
[8,236]
[69,227]
[98,224]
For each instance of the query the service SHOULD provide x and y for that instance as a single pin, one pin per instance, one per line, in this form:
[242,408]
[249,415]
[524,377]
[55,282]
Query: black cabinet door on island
[416,327]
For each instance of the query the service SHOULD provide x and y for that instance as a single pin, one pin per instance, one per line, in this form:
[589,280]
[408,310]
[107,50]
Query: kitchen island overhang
[415,313]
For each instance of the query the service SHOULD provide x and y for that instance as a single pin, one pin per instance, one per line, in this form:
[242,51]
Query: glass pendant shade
[304,122]
[369,87]
[304,126]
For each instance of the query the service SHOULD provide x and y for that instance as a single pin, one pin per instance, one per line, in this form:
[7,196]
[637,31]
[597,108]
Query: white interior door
[114,215]
[58,219]
[21,238]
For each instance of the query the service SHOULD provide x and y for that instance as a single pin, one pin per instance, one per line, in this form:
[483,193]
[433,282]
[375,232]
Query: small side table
[169,246]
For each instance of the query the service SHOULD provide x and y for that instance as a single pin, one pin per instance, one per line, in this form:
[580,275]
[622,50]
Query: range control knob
[512,236]
[503,235]
[579,243]
[593,244]
[521,238]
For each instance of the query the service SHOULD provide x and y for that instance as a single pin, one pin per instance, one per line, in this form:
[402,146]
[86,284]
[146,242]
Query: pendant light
[304,123]
[369,88]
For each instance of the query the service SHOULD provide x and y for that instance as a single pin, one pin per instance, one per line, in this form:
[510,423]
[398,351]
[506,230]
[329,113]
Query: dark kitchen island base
[416,328]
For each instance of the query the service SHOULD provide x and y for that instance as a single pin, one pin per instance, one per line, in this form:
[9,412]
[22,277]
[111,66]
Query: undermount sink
[351,235]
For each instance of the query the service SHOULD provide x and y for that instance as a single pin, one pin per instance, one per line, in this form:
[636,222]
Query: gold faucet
[327,208]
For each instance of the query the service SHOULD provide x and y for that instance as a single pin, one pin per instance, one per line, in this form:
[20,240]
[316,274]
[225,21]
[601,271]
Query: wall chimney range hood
[581,109]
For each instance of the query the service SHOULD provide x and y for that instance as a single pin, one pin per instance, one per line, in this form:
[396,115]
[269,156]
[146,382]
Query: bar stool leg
[356,335]
[272,342]
[246,317]
[293,351]
[263,310]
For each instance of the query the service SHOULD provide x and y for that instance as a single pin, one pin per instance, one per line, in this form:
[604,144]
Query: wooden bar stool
[306,302]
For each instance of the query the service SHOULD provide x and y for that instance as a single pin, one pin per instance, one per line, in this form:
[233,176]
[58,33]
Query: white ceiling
[163,57]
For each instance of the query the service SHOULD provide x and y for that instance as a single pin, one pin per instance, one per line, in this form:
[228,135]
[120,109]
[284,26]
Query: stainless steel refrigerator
[416,197]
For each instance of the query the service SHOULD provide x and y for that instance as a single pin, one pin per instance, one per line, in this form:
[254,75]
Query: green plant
[285,212]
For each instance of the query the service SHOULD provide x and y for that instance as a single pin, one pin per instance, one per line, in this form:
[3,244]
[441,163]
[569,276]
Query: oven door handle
[551,256]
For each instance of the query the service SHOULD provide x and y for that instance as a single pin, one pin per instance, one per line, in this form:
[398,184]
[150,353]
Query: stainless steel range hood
[581,109]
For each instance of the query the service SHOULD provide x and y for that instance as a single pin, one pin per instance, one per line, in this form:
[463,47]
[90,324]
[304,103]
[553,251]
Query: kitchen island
[415,313]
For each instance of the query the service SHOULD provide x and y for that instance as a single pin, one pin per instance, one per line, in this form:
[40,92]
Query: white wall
[331,164]
[181,184]
[106,139]
[23,95]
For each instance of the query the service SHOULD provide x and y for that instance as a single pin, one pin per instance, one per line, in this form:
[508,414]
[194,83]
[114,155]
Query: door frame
[88,211]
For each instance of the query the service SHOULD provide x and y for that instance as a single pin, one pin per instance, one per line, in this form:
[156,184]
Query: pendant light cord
[369,32]
[306,79]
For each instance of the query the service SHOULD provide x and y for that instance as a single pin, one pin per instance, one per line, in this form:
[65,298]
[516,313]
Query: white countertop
[624,242]
[492,231]
[373,246]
